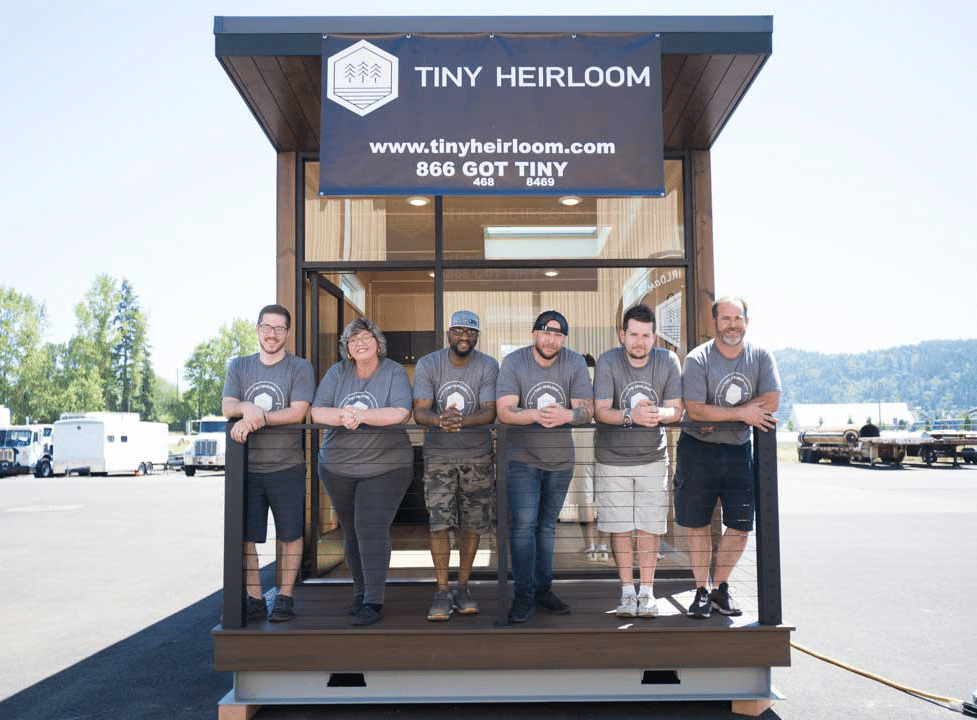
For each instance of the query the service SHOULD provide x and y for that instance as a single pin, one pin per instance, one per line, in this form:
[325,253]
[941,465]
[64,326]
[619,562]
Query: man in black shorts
[272,387]
[724,380]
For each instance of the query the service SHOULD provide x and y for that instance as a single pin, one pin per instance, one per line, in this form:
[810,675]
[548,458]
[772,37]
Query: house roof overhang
[708,64]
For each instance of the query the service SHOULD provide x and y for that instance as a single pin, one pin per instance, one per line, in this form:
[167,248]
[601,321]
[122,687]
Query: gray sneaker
[442,607]
[463,602]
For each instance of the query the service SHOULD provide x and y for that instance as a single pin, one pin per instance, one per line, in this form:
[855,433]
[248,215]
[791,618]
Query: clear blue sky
[843,186]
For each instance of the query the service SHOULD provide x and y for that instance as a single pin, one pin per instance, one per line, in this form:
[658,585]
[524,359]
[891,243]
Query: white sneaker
[628,606]
[646,606]
[603,555]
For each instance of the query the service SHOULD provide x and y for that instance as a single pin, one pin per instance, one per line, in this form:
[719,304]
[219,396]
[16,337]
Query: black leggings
[366,507]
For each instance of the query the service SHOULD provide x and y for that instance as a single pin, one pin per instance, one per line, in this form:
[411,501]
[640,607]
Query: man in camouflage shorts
[454,395]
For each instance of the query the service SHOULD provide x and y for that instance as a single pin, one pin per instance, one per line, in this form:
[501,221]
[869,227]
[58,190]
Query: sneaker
[700,607]
[591,553]
[603,554]
[551,603]
[442,607]
[647,607]
[721,600]
[522,609]
[355,607]
[368,614]
[282,610]
[463,602]
[257,608]
[628,606]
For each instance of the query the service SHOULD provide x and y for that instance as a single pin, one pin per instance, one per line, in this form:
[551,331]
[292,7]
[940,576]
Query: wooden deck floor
[591,636]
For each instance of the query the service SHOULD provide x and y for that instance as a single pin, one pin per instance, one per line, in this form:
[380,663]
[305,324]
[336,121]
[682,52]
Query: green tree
[129,352]
[206,367]
[22,324]
[91,350]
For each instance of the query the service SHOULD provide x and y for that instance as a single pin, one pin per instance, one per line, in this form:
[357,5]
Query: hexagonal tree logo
[362,78]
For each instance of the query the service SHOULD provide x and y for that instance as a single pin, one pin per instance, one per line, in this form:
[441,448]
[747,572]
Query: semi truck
[100,443]
[21,446]
[208,444]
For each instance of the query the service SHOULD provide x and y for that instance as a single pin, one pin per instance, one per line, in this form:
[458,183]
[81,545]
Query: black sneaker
[257,608]
[551,603]
[368,614]
[522,609]
[282,610]
[355,607]
[720,600]
[700,607]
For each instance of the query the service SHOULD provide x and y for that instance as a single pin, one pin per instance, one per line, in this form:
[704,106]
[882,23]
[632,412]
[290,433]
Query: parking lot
[112,584]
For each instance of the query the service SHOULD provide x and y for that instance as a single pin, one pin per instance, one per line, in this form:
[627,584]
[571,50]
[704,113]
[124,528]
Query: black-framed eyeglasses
[277,330]
[463,332]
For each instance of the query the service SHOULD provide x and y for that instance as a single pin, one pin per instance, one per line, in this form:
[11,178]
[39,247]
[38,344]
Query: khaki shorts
[460,493]
[632,497]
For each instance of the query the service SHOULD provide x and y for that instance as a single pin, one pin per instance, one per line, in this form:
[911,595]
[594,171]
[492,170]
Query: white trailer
[209,443]
[22,446]
[106,442]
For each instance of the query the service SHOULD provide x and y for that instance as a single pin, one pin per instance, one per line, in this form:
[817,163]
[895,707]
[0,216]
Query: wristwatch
[627,418]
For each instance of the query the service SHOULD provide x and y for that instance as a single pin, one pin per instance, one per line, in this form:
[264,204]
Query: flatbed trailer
[866,445]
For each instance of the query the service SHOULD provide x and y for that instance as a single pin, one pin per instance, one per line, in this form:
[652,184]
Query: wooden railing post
[767,528]
[502,522]
[235,469]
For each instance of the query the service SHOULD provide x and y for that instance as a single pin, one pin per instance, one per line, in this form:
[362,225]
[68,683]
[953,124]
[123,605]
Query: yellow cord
[877,678]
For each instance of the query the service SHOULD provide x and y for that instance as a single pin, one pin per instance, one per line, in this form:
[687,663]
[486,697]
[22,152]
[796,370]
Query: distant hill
[937,376]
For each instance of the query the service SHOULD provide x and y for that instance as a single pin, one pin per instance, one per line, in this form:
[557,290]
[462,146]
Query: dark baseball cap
[549,315]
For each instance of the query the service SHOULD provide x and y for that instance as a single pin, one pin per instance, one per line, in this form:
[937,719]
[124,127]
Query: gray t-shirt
[625,386]
[366,451]
[271,387]
[712,378]
[536,387]
[467,388]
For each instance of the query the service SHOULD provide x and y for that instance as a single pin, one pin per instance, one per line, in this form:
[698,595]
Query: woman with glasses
[365,469]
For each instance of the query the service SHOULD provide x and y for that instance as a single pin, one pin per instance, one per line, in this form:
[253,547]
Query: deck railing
[767,532]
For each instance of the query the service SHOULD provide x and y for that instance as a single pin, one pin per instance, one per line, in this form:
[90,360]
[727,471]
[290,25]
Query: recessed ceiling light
[430,274]
[571,200]
[551,273]
[417,201]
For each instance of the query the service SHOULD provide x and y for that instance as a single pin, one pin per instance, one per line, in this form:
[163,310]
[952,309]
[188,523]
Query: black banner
[492,115]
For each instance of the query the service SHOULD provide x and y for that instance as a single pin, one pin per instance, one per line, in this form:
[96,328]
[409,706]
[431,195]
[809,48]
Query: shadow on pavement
[164,672]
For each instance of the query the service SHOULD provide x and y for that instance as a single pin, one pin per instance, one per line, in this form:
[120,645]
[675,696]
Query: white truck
[99,443]
[22,446]
[209,442]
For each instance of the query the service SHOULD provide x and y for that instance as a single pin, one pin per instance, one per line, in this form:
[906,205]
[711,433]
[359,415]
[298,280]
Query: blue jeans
[535,499]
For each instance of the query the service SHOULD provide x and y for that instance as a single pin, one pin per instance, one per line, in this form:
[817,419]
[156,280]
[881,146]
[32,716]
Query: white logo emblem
[457,400]
[264,401]
[545,400]
[360,405]
[637,398]
[362,78]
[734,394]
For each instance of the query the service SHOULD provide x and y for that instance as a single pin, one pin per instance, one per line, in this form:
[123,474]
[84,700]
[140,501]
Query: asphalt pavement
[111,586]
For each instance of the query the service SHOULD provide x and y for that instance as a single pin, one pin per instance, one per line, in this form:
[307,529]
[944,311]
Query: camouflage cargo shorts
[460,493]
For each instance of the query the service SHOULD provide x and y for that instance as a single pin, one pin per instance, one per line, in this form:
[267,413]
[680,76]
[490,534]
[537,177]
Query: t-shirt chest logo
[266,395]
[363,400]
[637,391]
[544,394]
[734,389]
[458,394]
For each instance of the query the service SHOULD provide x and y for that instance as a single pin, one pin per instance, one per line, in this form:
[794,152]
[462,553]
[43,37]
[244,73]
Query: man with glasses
[543,385]
[271,388]
[454,390]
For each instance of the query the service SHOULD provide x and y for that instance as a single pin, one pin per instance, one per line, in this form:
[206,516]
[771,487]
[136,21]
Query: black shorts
[284,492]
[706,471]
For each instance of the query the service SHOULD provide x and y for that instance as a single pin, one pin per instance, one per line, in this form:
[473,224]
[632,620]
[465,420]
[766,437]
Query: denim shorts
[705,472]
[284,492]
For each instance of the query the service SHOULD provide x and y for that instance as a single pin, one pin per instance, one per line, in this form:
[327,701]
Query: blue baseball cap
[464,319]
